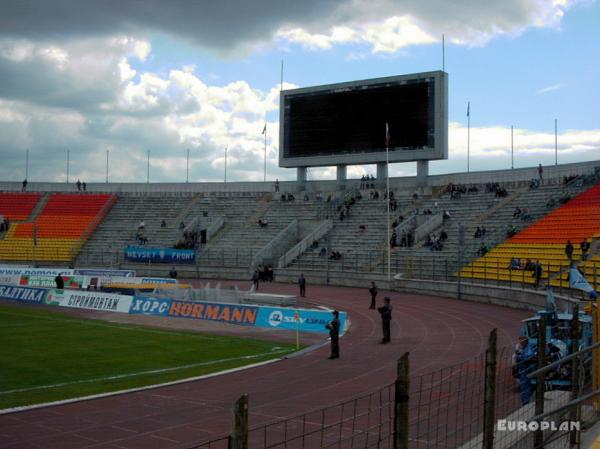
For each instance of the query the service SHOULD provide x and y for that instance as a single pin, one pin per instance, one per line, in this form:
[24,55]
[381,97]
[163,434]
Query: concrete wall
[518,175]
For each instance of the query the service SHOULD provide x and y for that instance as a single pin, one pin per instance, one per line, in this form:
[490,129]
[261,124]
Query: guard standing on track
[302,285]
[373,291]
[386,319]
[334,334]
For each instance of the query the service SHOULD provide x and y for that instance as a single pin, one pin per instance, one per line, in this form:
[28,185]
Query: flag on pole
[468,109]
[578,282]
[264,129]
[387,135]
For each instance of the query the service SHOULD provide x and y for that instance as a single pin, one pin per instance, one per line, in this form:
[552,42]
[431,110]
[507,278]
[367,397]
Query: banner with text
[159,255]
[100,272]
[303,319]
[108,302]
[23,294]
[14,271]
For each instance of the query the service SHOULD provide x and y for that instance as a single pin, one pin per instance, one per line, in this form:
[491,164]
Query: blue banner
[159,255]
[159,281]
[150,306]
[304,320]
[24,294]
[99,272]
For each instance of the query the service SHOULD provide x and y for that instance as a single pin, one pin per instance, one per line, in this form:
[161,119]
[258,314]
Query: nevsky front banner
[159,255]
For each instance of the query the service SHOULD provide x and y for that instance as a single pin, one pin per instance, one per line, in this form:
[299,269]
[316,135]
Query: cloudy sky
[168,76]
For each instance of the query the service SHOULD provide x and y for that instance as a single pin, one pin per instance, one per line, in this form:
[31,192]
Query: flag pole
[187,167]
[265,167]
[281,84]
[443,53]
[468,135]
[555,141]
[512,149]
[226,146]
[68,162]
[107,151]
[387,164]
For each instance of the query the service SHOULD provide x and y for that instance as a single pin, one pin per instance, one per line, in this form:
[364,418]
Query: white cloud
[547,89]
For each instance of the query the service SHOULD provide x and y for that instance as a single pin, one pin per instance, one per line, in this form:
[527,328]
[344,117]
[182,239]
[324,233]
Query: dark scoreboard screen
[352,120]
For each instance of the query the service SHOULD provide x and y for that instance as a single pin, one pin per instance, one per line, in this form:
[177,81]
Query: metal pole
[538,436]
[226,147]
[575,386]
[27,163]
[68,157]
[468,135]
[107,151]
[148,169]
[187,168]
[555,141]
[281,84]
[512,149]
[387,217]
[265,168]
[443,53]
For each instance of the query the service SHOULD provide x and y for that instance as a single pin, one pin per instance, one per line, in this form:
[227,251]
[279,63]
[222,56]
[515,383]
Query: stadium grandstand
[320,230]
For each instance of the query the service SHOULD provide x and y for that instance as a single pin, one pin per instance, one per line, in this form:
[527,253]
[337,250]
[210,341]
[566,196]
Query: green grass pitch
[46,356]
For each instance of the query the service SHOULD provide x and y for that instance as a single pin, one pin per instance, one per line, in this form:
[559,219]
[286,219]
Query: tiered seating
[66,221]
[18,206]
[545,241]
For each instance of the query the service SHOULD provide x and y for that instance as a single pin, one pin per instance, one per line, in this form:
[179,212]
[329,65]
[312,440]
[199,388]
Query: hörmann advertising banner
[159,255]
[23,294]
[303,319]
[108,302]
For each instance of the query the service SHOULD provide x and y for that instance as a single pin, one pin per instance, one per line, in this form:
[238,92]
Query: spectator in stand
[446,215]
[362,182]
[483,249]
[517,212]
[515,264]
[142,225]
[569,250]
[173,273]
[512,231]
[393,238]
[163,224]
[277,185]
[255,279]
[541,173]
[478,233]
[263,223]
[78,184]
[306,197]
[84,186]
[404,239]
[585,247]
[323,252]
[24,185]
[443,236]
[182,225]
[529,265]
[537,274]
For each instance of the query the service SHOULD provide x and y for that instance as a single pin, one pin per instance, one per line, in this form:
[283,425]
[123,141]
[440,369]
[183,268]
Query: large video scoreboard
[345,123]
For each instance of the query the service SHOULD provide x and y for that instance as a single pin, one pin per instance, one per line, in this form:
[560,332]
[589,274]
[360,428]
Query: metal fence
[476,404]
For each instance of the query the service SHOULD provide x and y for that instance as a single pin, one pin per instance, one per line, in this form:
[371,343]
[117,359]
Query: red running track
[437,332]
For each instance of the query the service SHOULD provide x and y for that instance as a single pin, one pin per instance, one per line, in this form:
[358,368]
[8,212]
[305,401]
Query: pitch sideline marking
[141,373]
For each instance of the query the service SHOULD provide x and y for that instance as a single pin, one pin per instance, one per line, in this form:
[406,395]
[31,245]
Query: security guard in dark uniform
[386,319]
[334,334]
